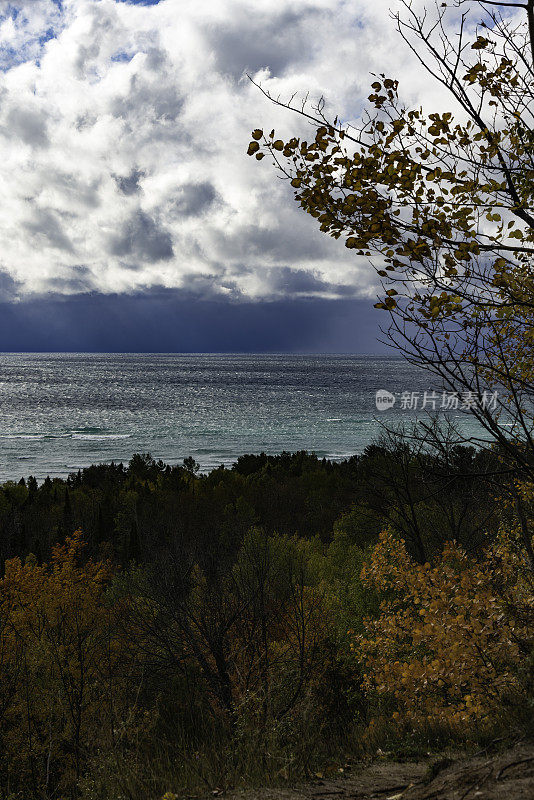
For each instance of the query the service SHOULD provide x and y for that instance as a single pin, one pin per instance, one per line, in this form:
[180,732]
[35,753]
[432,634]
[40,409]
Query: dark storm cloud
[193,199]
[295,281]
[143,238]
[155,58]
[290,282]
[260,41]
[284,243]
[208,287]
[141,2]
[129,184]
[8,286]
[170,320]
[80,282]
[44,224]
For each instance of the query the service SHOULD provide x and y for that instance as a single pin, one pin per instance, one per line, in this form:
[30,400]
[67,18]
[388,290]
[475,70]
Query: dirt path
[508,775]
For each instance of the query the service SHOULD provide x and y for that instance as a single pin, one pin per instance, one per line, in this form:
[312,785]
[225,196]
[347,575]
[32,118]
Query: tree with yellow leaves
[64,665]
[450,640]
[442,206]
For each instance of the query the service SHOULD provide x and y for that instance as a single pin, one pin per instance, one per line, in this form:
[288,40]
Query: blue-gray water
[63,411]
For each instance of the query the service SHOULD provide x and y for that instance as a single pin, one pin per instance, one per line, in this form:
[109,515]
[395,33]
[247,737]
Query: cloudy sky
[129,211]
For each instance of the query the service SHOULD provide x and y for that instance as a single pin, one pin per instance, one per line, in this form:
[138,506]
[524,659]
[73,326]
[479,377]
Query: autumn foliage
[104,674]
[451,639]
[60,667]
[205,666]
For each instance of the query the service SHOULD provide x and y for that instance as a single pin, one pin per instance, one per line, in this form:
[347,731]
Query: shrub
[450,640]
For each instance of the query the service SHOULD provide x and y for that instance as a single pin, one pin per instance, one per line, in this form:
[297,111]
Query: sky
[131,217]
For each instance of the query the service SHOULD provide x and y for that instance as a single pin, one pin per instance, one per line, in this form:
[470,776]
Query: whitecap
[99,437]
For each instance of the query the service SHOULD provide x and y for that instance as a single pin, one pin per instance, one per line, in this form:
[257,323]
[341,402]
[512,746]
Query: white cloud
[123,130]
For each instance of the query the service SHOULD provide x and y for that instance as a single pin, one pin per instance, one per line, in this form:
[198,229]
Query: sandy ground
[507,775]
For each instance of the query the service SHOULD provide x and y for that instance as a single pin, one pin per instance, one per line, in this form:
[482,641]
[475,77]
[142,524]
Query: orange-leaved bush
[450,639]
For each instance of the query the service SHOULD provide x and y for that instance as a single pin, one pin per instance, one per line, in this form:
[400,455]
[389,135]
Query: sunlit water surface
[61,412]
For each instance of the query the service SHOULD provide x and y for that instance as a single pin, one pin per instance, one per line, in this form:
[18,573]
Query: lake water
[63,411]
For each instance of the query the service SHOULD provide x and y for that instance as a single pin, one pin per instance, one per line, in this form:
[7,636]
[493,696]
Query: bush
[450,641]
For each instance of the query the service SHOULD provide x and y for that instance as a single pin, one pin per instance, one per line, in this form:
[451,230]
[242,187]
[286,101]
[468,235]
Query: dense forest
[165,632]
[133,512]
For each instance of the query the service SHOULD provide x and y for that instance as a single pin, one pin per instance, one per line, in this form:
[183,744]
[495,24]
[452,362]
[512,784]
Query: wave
[35,437]
[89,429]
[41,437]
[99,437]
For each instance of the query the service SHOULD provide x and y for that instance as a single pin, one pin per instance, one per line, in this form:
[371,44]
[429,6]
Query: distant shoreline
[290,454]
